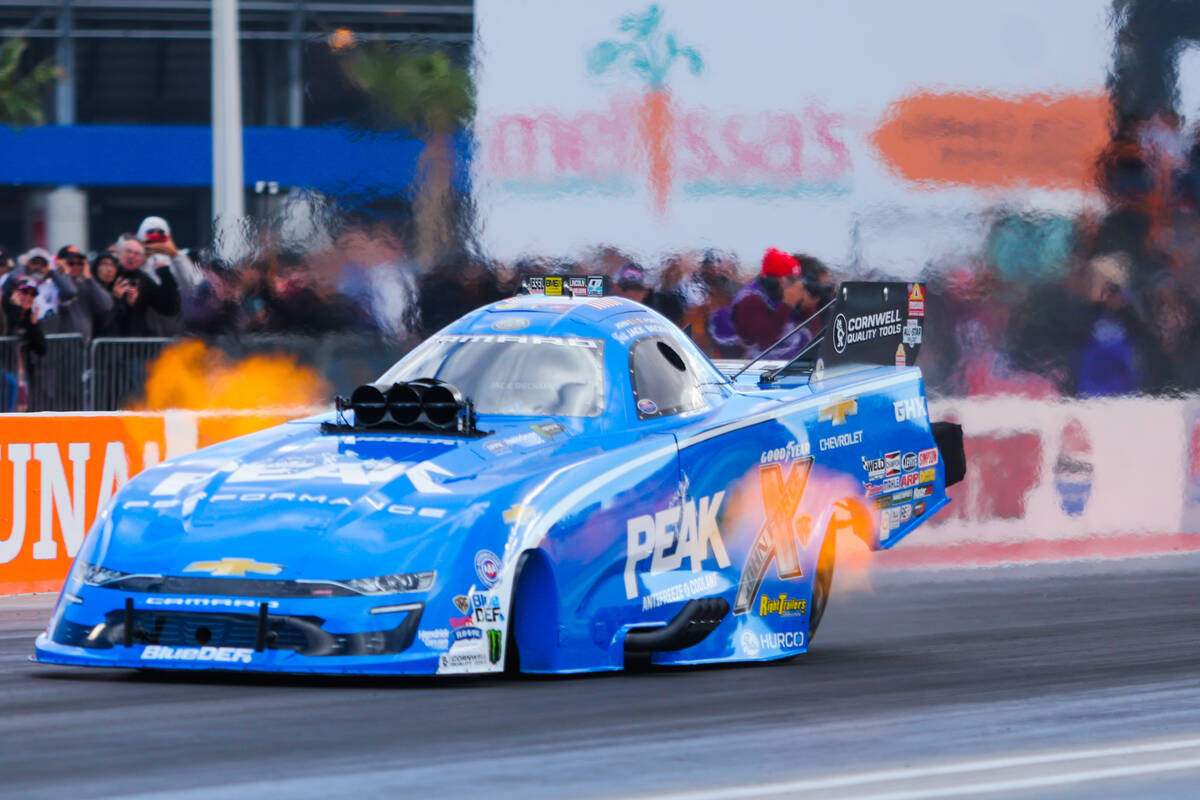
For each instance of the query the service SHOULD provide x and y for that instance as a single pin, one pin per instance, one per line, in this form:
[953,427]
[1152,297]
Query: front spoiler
[267,661]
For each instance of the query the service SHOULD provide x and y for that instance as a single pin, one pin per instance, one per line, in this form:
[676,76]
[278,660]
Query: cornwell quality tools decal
[776,539]
[875,323]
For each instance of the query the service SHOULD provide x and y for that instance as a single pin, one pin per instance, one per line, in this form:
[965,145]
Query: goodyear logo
[782,605]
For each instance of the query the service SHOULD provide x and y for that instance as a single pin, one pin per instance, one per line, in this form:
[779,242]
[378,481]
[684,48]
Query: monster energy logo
[494,646]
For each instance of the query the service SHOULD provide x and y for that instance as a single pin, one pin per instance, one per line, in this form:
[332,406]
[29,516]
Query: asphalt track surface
[1077,680]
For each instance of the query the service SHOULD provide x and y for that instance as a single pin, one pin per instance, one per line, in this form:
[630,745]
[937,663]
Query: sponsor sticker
[673,536]
[777,538]
[696,587]
[909,479]
[916,300]
[497,447]
[901,358]
[487,567]
[912,334]
[452,660]
[891,484]
[875,468]
[223,655]
[595,286]
[467,633]
[577,285]
[507,323]
[749,643]
[435,639]
[891,462]
[865,328]
[913,408]
[918,508]
[548,429]
[927,458]
[647,406]
[908,462]
[928,475]
[781,640]
[554,286]
[922,492]
[789,452]
[840,440]
[782,605]
[462,603]
[494,646]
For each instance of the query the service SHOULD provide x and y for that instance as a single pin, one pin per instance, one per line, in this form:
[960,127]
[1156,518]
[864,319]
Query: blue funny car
[547,485]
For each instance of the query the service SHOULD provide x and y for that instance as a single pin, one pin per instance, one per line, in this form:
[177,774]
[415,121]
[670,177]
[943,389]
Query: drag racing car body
[547,484]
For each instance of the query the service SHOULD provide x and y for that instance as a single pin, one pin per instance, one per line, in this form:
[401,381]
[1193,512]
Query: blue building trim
[333,159]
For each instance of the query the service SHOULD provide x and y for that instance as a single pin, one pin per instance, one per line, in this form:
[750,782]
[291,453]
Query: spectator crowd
[1098,303]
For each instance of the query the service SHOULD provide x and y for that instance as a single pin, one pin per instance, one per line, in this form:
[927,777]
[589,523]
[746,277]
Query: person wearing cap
[53,287]
[155,235]
[91,304]
[630,283]
[21,318]
[767,307]
[145,303]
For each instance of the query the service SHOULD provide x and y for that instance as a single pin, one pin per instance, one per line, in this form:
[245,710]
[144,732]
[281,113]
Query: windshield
[518,375]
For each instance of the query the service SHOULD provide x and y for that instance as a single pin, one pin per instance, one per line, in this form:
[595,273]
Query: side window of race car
[664,382]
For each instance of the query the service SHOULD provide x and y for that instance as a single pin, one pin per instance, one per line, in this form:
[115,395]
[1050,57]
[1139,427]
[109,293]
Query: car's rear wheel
[822,583]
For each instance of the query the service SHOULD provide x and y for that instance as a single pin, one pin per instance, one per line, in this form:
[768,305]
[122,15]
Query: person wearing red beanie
[766,307]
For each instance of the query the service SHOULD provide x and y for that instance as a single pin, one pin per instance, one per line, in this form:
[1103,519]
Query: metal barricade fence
[117,371]
[110,373]
[50,382]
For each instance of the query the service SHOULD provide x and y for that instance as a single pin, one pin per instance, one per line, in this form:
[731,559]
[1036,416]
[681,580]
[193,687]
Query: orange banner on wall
[58,470]
[988,141]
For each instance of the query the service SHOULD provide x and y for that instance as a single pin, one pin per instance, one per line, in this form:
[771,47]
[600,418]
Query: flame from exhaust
[190,375]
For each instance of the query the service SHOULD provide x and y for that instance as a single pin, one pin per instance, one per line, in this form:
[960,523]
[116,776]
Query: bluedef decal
[776,539]
[669,537]
[225,655]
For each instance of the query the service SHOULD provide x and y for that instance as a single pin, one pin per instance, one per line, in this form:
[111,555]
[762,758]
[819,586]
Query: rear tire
[822,583]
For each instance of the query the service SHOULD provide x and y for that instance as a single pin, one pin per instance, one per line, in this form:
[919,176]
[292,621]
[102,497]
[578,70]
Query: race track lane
[931,671]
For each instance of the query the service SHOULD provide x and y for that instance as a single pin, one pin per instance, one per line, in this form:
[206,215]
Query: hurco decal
[226,655]
[688,531]
[776,539]
[782,605]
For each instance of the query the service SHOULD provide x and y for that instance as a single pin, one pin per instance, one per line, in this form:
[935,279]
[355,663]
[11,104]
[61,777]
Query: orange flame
[190,375]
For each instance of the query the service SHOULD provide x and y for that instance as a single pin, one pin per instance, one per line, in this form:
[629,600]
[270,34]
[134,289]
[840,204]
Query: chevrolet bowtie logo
[234,566]
[838,411]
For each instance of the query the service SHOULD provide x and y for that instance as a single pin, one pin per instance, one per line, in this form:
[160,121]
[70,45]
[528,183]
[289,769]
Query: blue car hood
[322,505]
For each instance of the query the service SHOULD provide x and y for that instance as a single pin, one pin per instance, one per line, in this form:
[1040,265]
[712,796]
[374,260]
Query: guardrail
[110,373]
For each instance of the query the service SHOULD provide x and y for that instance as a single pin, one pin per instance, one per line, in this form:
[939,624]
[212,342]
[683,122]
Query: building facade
[128,130]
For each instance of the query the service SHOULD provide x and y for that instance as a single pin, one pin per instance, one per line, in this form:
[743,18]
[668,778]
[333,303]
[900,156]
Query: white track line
[862,779]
